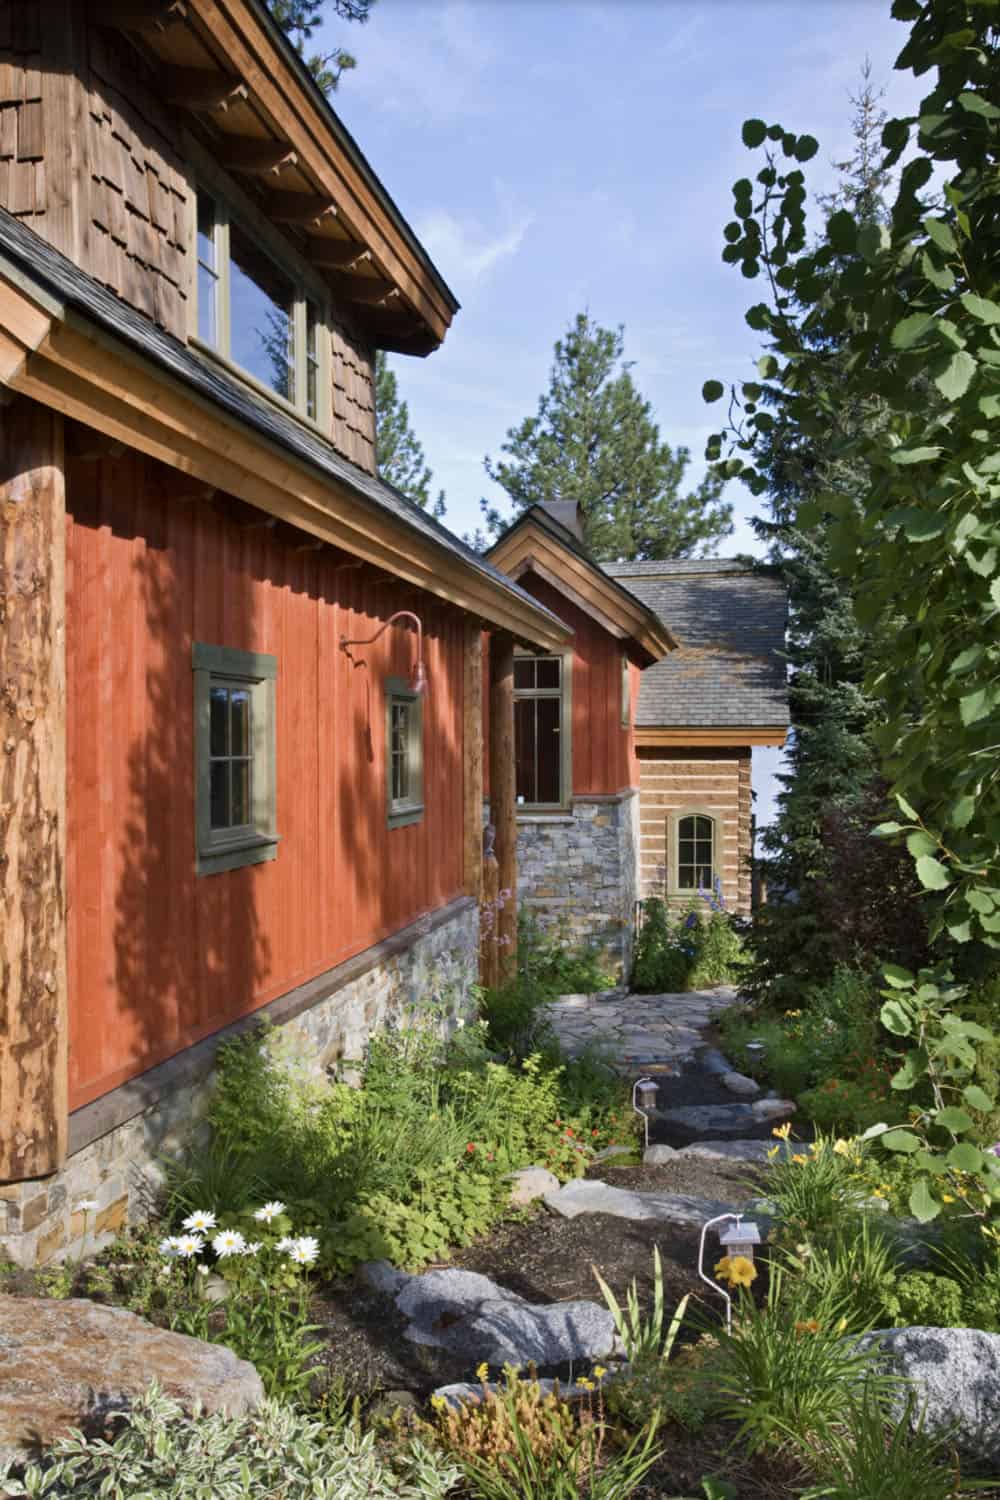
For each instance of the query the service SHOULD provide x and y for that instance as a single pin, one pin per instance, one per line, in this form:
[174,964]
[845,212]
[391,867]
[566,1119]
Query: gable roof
[729,671]
[79,308]
[536,542]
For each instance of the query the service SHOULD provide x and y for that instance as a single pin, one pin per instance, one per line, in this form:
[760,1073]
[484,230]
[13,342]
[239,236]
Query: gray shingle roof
[728,669]
[43,270]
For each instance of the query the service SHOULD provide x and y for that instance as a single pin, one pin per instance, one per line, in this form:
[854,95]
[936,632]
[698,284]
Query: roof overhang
[57,356]
[530,547]
[711,735]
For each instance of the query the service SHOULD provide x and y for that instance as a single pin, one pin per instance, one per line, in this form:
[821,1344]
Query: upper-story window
[254,311]
[538,730]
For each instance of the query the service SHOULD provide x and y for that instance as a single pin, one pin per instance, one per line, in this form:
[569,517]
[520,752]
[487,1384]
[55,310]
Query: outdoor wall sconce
[739,1239]
[418,677]
[644,1101]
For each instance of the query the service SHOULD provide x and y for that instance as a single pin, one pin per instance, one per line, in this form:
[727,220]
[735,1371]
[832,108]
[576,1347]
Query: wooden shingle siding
[352,375]
[22,115]
[672,781]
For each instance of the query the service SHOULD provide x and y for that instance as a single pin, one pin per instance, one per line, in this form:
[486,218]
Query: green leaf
[886,830]
[975,104]
[981,307]
[896,1018]
[977,1098]
[970,657]
[754,133]
[902,1140]
[767,366]
[976,705]
[842,232]
[932,874]
[806,147]
[872,240]
[954,1119]
[942,236]
[897,976]
[921,843]
[923,1204]
[906,810]
[712,390]
[979,900]
[965,1157]
[913,1069]
[918,525]
[910,330]
[961,812]
[956,377]
[960,931]
[915,455]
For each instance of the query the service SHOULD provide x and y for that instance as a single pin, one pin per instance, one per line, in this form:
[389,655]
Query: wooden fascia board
[531,564]
[569,571]
[693,734]
[87,376]
[250,51]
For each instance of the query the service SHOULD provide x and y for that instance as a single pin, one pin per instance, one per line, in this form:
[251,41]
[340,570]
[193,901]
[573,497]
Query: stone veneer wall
[577,872]
[116,1141]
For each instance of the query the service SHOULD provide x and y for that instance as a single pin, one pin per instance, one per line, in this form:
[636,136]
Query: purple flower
[690,920]
[996,1149]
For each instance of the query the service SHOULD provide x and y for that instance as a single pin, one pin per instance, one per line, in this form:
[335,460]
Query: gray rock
[593,1197]
[611,1151]
[729,1150]
[739,1083]
[955,1373]
[658,1155]
[530,1183]
[770,1109]
[62,1362]
[446,1295]
[382,1277]
[711,1119]
[713,1061]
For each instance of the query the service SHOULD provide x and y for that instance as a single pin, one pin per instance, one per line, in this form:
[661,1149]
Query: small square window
[234,758]
[404,754]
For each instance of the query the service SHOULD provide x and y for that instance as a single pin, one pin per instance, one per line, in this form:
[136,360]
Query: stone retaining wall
[578,873]
[116,1142]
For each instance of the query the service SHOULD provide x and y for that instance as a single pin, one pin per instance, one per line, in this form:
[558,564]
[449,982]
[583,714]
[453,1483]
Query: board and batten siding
[158,957]
[674,781]
[92,159]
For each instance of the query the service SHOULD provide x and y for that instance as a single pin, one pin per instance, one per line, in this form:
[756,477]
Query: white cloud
[465,252]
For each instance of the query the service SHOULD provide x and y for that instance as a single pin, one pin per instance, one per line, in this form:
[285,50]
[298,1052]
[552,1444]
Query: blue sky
[556,155]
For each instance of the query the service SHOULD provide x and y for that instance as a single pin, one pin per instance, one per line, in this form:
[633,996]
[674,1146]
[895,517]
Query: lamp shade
[418,682]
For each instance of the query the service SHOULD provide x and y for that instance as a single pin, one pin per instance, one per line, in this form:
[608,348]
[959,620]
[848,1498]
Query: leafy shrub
[855,1271]
[515,1020]
[662,963]
[870,1458]
[548,960]
[814,1190]
[699,947]
[521,1443]
[161,1454]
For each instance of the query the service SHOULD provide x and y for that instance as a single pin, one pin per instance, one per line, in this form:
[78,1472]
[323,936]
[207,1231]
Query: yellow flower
[947,1198]
[842,1148]
[793,1013]
[810,1325]
[772,1153]
[588,1385]
[842,1325]
[482,1371]
[738,1270]
[783,1131]
[600,1371]
[799,1159]
[439,1403]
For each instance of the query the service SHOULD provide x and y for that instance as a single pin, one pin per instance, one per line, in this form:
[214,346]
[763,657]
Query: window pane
[524,672]
[399,751]
[548,750]
[207,301]
[686,878]
[240,788]
[219,800]
[702,828]
[548,672]
[239,701]
[218,704]
[312,360]
[524,748]
[207,232]
[262,305]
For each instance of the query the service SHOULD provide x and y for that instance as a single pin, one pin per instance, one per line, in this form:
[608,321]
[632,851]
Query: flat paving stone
[584,1196]
[724,1150]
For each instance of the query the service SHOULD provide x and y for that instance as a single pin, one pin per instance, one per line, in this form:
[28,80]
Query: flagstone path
[638,1033]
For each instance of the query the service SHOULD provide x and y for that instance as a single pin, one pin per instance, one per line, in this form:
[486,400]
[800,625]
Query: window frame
[217,849]
[234,205]
[626,704]
[677,818]
[401,812]
[565,696]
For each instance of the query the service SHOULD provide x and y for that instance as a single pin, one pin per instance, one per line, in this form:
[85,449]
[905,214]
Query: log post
[473,741]
[489,952]
[33,1022]
[503,803]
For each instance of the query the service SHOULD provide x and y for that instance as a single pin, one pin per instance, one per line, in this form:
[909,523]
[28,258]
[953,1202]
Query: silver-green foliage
[275,1454]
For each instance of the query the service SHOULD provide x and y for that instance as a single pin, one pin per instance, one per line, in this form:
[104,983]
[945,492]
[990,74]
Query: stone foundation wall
[115,1143]
[577,873]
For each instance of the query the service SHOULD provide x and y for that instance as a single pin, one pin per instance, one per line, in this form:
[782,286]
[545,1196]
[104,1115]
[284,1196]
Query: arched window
[695,852]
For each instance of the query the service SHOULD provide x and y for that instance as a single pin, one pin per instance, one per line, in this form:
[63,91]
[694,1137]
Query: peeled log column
[32,792]
[503,807]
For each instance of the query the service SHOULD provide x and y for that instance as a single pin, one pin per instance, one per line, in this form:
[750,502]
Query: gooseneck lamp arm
[418,682]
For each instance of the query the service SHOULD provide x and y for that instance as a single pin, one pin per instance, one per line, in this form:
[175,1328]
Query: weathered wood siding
[159,958]
[674,781]
[92,158]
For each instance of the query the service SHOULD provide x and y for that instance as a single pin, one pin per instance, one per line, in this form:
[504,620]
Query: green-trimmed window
[404,754]
[538,728]
[235,813]
[695,852]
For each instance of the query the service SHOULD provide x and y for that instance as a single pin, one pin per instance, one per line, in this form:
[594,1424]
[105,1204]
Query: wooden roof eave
[528,547]
[254,61]
[709,735]
[55,356]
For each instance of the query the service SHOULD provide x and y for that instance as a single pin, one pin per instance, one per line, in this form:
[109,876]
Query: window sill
[252,851]
[557,815]
[405,816]
[258,387]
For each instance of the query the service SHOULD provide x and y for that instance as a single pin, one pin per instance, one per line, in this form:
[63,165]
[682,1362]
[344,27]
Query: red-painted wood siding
[159,958]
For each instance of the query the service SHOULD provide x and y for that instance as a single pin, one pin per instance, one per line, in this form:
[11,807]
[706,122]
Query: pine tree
[594,440]
[399,454]
[300,18]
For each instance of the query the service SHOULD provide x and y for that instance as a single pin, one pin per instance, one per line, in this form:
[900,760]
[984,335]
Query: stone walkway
[638,1033]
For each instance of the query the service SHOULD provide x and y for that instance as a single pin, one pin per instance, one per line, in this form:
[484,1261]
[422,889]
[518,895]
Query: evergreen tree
[594,440]
[300,18]
[399,454]
[832,762]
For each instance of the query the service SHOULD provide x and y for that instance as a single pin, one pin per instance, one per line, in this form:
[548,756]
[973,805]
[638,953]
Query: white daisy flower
[285,1243]
[86,1206]
[304,1250]
[169,1246]
[254,1248]
[269,1211]
[189,1245]
[202,1270]
[199,1222]
[228,1242]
